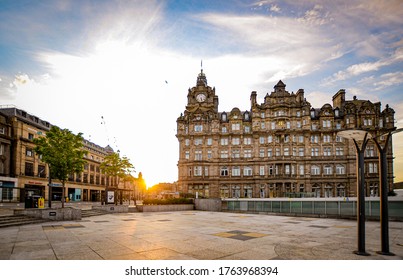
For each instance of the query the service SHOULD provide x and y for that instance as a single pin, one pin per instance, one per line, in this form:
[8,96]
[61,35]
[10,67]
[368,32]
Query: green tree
[116,166]
[62,151]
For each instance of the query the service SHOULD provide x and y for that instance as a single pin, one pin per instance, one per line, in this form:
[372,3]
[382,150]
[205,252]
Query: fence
[319,207]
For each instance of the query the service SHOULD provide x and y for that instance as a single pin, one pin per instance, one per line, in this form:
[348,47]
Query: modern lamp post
[359,136]
[383,174]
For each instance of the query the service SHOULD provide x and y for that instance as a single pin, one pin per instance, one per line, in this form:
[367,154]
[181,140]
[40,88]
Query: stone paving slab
[196,235]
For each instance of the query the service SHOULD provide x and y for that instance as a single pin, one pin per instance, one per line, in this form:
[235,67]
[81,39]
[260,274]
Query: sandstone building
[23,174]
[281,148]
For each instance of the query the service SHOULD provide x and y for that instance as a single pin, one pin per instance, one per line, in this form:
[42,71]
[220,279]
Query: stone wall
[112,208]
[57,214]
[165,208]
[211,204]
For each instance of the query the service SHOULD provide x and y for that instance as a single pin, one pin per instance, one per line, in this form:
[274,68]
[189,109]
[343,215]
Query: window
[198,155]
[314,152]
[209,154]
[261,170]
[224,171]
[339,139]
[340,169]
[187,142]
[206,171]
[286,138]
[315,170]
[224,117]
[236,171]
[198,141]
[370,151]
[262,115]
[224,129]
[273,125]
[269,139]
[30,136]
[314,138]
[278,152]
[2,148]
[248,153]
[262,125]
[326,123]
[367,122]
[247,140]
[288,125]
[261,153]
[247,129]
[287,169]
[236,126]
[326,138]
[286,151]
[29,152]
[224,141]
[381,123]
[198,128]
[372,167]
[327,170]
[301,139]
[29,169]
[197,171]
[339,151]
[235,154]
[338,125]
[235,141]
[301,169]
[269,152]
[298,124]
[224,154]
[327,151]
[261,139]
[247,171]
[187,155]
[298,114]
[294,151]
[209,141]
[271,169]
[301,152]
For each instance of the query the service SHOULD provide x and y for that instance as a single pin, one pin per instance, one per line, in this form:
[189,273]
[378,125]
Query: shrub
[167,201]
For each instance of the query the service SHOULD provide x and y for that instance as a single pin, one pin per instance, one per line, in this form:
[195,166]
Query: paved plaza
[195,235]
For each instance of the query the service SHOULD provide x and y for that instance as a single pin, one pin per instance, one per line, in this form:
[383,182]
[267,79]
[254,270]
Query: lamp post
[383,178]
[359,136]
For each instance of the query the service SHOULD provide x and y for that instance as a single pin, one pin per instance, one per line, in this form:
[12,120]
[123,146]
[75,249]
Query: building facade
[281,148]
[23,174]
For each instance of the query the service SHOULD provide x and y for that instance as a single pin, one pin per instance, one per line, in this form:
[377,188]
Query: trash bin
[29,202]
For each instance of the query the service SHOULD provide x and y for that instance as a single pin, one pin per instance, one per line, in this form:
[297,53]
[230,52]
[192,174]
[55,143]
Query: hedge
[167,201]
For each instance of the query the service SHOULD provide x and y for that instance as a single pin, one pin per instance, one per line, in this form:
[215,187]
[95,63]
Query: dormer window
[246,116]
[312,113]
[336,112]
[224,117]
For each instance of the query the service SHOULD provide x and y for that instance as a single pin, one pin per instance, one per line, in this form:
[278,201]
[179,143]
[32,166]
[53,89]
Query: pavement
[196,235]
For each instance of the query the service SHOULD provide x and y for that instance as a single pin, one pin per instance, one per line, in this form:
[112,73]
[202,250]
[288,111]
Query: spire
[201,78]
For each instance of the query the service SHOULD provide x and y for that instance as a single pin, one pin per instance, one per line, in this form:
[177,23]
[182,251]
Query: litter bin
[29,202]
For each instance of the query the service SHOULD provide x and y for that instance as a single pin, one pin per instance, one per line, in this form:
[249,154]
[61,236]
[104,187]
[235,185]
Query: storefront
[8,190]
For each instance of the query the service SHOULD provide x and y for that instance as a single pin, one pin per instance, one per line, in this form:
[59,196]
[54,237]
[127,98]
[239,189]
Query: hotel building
[281,148]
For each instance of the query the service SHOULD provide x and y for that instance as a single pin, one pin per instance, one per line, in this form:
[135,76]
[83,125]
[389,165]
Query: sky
[119,71]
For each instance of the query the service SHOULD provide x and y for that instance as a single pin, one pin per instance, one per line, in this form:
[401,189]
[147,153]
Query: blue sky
[74,62]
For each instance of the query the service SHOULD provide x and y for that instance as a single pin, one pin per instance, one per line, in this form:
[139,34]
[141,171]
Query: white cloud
[389,79]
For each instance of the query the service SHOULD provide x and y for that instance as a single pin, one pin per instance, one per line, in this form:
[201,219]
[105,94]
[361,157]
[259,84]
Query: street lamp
[359,136]
[384,215]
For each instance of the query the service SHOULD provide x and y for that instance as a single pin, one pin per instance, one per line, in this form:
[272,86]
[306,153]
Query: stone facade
[281,148]
[25,175]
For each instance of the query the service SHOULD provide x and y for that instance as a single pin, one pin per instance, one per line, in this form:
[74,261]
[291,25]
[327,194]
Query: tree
[62,151]
[115,166]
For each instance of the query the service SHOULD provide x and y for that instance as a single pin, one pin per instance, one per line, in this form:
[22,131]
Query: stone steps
[91,212]
[18,220]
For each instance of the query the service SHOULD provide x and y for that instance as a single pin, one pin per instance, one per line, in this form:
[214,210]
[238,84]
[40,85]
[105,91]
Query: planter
[165,208]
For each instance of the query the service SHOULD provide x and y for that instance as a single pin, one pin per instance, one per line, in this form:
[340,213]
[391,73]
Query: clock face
[201,97]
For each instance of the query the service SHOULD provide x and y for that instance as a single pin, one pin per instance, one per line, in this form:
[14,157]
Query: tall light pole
[359,136]
[383,178]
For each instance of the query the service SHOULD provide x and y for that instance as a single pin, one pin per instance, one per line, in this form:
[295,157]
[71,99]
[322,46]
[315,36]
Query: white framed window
[326,123]
[339,151]
[247,153]
[187,142]
[327,170]
[206,171]
[224,154]
[301,138]
[236,171]
[288,125]
[326,138]
[269,139]
[298,113]
[327,151]
[262,125]
[301,152]
[286,151]
[224,141]
[286,138]
[198,141]
[236,126]
[261,170]
[235,141]
[198,155]
[301,169]
[261,152]
[339,139]
[235,153]
[246,129]
[372,167]
[278,152]
[314,138]
[270,152]
[298,124]
[209,154]
[247,171]
[314,152]
[197,171]
[198,128]
[273,125]
[262,115]
[261,139]
[209,141]
[224,129]
[224,171]
[340,169]
[187,155]
[287,169]
[315,170]
[370,151]
[29,152]
[247,141]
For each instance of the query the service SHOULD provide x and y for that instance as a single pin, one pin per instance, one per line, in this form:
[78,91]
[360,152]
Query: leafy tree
[62,151]
[116,166]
